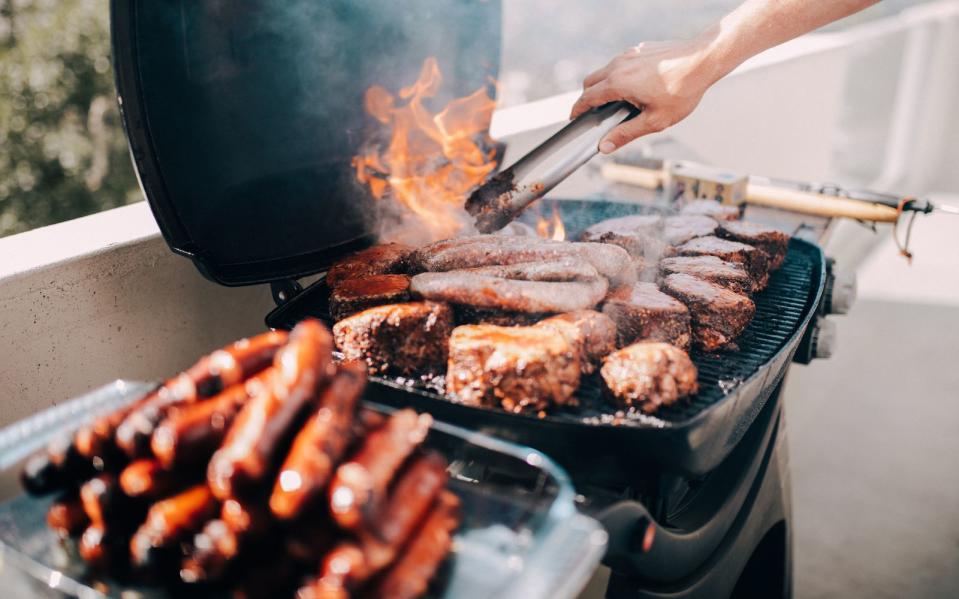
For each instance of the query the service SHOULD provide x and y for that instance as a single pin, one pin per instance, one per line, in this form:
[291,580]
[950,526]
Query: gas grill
[242,127]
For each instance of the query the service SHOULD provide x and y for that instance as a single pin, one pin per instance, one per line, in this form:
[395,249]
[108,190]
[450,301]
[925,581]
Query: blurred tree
[62,149]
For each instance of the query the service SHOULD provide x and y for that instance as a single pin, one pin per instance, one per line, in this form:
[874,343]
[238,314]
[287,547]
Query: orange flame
[432,160]
[551,228]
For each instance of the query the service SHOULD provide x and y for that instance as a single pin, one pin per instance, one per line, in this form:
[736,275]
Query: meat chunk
[402,339]
[640,235]
[387,258]
[505,318]
[754,260]
[355,295]
[718,314]
[485,291]
[730,275]
[642,312]
[521,369]
[560,270]
[495,250]
[710,208]
[677,230]
[648,375]
[772,241]
[592,335]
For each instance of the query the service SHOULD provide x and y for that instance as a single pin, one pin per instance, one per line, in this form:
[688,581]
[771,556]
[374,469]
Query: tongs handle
[501,199]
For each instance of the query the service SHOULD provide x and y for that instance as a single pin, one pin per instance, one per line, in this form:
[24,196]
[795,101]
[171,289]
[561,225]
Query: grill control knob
[823,339]
[843,292]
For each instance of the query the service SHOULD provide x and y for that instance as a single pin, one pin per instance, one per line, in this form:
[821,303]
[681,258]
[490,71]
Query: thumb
[626,132]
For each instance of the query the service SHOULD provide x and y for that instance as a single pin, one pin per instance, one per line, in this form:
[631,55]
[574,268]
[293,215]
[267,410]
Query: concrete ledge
[103,297]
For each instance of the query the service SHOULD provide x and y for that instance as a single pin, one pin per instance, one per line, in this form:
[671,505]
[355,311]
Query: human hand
[666,79]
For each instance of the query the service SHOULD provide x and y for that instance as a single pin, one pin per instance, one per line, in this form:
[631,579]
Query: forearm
[757,25]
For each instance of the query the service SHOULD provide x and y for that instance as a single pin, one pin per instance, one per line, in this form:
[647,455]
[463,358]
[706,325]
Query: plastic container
[521,535]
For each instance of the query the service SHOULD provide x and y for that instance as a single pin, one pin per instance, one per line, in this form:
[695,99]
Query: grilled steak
[772,241]
[592,335]
[754,260]
[710,208]
[638,234]
[521,369]
[484,291]
[493,250]
[354,295]
[718,314]
[677,230]
[730,275]
[642,312]
[401,339]
[649,374]
[388,258]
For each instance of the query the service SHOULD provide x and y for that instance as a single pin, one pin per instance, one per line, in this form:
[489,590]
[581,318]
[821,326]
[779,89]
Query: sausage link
[410,576]
[170,521]
[59,466]
[146,478]
[213,552]
[192,433]
[98,439]
[266,423]
[319,445]
[102,549]
[208,377]
[359,486]
[105,503]
[66,516]
[410,499]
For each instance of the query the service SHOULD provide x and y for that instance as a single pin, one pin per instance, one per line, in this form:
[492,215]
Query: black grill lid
[243,116]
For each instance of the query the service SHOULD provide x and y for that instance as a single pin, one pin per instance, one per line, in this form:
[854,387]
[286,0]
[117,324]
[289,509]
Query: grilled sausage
[97,440]
[148,479]
[66,516]
[214,550]
[59,466]
[191,434]
[410,499]
[104,502]
[170,521]
[359,485]
[410,576]
[320,445]
[208,377]
[266,421]
[102,548]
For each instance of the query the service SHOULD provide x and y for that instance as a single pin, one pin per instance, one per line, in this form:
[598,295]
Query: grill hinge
[284,290]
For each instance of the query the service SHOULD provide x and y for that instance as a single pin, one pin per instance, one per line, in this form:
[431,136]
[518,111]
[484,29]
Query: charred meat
[772,241]
[754,260]
[355,295]
[388,258]
[677,230]
[718,314]
[401,339]
[640,235]
[485,291]
[592,335]
[611,262]
[644,313]
[521,369]
[649,375]
[730,275]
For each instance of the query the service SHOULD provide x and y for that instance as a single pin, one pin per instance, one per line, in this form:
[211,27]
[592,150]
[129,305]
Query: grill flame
[551,228]
[429,161]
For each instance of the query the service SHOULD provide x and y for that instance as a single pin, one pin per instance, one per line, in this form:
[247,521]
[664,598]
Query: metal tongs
[501,199]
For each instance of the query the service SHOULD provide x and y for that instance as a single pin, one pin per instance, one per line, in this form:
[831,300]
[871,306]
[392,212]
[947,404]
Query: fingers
[597,76]
[644,124]
[597,95]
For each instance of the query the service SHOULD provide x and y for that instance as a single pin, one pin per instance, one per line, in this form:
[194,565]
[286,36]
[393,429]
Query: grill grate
[780,310]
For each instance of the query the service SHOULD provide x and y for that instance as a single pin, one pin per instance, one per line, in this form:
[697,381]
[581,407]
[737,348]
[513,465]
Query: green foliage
[62,149]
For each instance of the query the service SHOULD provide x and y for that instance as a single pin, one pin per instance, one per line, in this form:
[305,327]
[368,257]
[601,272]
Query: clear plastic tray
[521,535]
